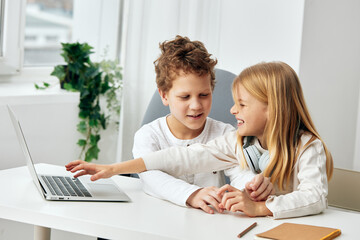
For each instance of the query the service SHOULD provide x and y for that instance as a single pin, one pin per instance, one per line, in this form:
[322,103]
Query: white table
[143,218]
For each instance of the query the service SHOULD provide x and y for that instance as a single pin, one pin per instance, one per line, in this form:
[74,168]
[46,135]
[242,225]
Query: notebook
[298,232]
[66,188]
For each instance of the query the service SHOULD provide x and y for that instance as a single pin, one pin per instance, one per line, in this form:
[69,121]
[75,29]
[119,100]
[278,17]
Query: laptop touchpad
[103,189]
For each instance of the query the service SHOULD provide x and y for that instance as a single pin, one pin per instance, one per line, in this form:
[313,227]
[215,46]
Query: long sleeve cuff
[292,205]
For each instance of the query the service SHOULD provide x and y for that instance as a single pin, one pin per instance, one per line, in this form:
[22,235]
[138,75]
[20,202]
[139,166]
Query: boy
[185,79]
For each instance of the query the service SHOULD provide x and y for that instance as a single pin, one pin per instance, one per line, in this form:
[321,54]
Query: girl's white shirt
[305,195]
[157,136]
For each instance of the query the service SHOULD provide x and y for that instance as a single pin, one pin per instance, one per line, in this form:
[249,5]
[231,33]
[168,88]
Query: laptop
[67,188]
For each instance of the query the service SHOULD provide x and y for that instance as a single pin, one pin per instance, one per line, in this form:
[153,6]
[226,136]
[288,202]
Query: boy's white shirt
[305,195]
[157,136]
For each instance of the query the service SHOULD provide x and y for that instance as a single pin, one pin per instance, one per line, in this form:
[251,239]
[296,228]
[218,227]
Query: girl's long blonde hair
[277,85]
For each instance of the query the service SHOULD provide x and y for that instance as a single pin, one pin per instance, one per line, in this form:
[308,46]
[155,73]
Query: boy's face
[189,101]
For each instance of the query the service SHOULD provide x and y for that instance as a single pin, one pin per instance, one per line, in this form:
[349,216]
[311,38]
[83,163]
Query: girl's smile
[239,122]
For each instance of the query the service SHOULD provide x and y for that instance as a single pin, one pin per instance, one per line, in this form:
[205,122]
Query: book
[299,231]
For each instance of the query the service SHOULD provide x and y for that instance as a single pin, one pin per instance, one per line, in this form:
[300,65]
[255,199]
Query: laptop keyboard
[65,186]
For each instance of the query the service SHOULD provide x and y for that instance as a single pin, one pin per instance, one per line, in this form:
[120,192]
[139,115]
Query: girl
[273,117]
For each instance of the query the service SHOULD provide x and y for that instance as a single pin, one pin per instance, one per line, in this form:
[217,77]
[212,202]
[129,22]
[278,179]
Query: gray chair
[221,103]
[344,189]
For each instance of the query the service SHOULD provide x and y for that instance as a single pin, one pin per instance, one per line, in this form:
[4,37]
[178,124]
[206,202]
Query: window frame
[11,60]
[12,69]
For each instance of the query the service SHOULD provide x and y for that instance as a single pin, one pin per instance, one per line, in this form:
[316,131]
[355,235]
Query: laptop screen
[25,149]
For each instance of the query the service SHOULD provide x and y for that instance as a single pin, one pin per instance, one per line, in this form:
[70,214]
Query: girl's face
[251,115]
[189,101]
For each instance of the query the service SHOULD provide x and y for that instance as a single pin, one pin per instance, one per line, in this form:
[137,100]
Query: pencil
[246,230]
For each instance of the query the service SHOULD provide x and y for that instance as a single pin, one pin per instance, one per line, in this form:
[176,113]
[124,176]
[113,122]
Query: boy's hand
[97,171]
[259,188]
[204,197]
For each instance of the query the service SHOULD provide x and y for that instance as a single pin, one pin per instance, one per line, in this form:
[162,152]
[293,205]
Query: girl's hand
[204,197]
[97,171]
[234,200]
[259,188]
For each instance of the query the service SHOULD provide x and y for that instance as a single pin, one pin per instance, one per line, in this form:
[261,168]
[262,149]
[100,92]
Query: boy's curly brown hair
[182,55]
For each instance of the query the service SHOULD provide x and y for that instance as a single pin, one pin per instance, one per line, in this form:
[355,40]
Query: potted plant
[94,81]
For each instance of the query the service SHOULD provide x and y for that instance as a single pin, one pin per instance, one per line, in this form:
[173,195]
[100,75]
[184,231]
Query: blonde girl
[273,118]
[270,106]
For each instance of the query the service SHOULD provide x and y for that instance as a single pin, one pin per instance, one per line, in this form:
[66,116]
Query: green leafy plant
[112,71]
[92,80]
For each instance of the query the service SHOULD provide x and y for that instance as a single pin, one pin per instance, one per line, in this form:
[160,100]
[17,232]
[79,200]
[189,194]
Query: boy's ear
[163,96]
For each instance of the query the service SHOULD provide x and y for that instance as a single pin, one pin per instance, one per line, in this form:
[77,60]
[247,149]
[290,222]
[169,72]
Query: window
[47,24]
[39,26]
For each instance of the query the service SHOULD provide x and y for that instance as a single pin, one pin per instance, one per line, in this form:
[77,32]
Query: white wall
[356,164]
[330,73]
[261,30]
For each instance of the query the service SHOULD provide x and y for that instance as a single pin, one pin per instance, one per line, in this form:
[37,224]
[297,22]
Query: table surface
[145,217]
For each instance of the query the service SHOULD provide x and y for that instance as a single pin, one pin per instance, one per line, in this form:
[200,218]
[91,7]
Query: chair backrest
[344,189]
[221,102]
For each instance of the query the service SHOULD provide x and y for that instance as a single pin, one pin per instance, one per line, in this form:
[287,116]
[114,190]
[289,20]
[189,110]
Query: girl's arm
[105,171]
[308,191]
[218,154]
